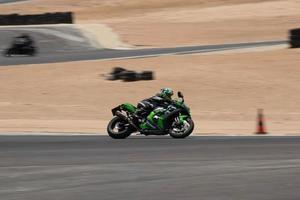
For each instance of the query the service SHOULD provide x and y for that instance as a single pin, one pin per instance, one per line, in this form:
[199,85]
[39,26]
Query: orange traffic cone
[260,122]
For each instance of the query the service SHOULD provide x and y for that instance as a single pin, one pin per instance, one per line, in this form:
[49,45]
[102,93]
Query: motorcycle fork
[182,118]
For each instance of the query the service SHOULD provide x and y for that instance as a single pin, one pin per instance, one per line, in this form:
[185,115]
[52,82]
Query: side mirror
[180,95]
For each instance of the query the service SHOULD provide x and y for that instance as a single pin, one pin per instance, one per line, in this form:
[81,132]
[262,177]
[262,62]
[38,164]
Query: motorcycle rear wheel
[7,53]
[118,128]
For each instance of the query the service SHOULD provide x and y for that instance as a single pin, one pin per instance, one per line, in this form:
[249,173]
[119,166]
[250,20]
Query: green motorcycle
[174,119]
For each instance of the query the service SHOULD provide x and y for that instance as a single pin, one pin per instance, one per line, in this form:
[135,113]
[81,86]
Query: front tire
[32,51]
[183,130]
[118,128]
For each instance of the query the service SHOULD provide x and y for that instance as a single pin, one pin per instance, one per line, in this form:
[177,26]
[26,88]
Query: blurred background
[224,89]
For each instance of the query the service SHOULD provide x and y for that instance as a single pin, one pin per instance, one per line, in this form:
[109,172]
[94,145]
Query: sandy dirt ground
[223,91]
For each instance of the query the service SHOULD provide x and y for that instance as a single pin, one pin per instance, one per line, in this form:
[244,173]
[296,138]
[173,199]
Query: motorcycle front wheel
[181,130]
[32,51]
[119,129]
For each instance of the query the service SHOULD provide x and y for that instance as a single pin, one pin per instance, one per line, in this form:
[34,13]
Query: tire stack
[119,73]
[115,74]
[129,76]
[146,75]
[295,38]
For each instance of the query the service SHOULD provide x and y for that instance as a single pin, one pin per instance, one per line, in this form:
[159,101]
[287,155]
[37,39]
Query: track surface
[119,54]
[97,167]
[48,38]
[10,1]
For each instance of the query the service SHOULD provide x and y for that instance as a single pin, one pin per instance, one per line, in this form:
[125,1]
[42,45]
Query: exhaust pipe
[121,115]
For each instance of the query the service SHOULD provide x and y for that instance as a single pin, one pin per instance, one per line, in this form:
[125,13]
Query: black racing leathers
[145,106]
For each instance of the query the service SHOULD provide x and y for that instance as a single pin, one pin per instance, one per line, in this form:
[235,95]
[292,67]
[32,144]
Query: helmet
[166,93]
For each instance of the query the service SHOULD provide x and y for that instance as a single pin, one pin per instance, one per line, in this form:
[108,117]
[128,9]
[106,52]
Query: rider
[28,41]
[161,99]
[23,40]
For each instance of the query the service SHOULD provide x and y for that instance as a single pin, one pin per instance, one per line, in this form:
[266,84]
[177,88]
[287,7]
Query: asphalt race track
[149,168]
[48,39]
[122,54]
[10,1]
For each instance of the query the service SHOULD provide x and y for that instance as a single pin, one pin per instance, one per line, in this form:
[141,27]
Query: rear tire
[295,31]
[128,76]
[186,132]
[295,43]
[146,75]
[7,53]
[122,131]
